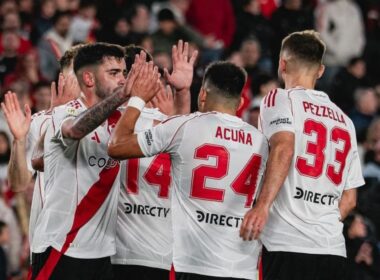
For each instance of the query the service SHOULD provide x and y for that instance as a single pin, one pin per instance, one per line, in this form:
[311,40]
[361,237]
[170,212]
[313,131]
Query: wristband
[136,102]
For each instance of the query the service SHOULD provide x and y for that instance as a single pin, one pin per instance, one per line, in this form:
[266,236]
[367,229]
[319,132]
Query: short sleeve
[31,141]
[276,113]
[59,116]
[39,124]
[163,137]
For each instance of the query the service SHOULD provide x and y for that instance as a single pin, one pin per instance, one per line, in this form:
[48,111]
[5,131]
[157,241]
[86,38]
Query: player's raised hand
[164,100]
[68,89]
[254,222]
[18,121]
[140,60]
[183,67]
[147,83]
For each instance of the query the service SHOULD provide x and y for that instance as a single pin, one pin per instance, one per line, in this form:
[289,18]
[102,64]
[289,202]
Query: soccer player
[314,167]
[216,160]
[144,229]
[75,231]
[27,129]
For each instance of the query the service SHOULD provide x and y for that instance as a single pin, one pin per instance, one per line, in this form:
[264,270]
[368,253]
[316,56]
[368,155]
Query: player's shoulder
[153,114]
[275,97]
[40,117]
[187,117]
[72,108]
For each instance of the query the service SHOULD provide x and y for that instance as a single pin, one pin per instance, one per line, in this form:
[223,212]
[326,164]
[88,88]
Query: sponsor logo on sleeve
[280,121]
[148,137]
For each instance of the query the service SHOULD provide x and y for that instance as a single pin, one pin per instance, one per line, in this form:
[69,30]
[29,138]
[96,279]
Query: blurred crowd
[35,33]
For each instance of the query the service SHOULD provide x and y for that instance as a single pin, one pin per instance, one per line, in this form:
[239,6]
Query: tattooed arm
[87,121]
[90,119]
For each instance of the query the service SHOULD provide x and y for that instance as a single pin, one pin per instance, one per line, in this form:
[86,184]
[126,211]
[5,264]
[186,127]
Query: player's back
[217,160]
[143,233]
[305,215]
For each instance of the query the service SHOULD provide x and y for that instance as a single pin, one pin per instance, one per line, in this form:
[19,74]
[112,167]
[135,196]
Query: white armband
[136,102]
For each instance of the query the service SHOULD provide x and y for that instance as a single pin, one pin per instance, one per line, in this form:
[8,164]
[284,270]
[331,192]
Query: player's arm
[38,154]
[78,127]
[182,76]
[277,124]
[280,158]
[347,202]
[18,173]
[123,143]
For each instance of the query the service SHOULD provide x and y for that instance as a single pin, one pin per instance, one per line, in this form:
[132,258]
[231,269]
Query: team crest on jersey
[71,111]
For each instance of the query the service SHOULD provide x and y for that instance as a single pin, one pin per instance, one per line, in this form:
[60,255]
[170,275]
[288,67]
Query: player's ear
[88,78]
[321,70]
[282,65]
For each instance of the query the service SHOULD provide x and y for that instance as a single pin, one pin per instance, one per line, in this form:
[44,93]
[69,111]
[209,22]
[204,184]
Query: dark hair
[305,46]
[165,15]
[41,84]
[68,56]
[2,226]
[4,158]
[355,60]
[60,14]
[93,54]
[132,12]
[130,53]
[225,79]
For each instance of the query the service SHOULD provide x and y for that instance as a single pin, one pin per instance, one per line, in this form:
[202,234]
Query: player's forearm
[94,116]
[38,154]
[182,102]
[280,158]
[347,203]
[18,173]
[120,145]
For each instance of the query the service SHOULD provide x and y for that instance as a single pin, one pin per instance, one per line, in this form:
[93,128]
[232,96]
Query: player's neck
[219,108]
[89,99]
[299,80]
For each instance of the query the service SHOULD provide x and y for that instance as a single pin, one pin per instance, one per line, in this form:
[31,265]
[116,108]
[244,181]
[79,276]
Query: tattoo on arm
[96,115]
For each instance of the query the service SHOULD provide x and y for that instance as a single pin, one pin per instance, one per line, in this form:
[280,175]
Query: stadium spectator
[84,23]
[43,21]
[170,31]
[5,152]
[27,70]
[288,18]
[138,20]
[4,241]
[251,23]
[9,54]
[362,251]
[41,96]
[53,45]
[342,28]
[366,106]
[346,81]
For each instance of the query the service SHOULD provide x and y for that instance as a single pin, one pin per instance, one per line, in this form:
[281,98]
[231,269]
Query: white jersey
[217,161]
[81,190]
[38,126]
[305,216]
[144,228]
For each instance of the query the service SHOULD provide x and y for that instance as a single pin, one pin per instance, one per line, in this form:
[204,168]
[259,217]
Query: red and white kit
[305,216]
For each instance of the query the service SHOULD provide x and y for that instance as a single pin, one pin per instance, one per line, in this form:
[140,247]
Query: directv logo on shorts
[314,197]
[217,219]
